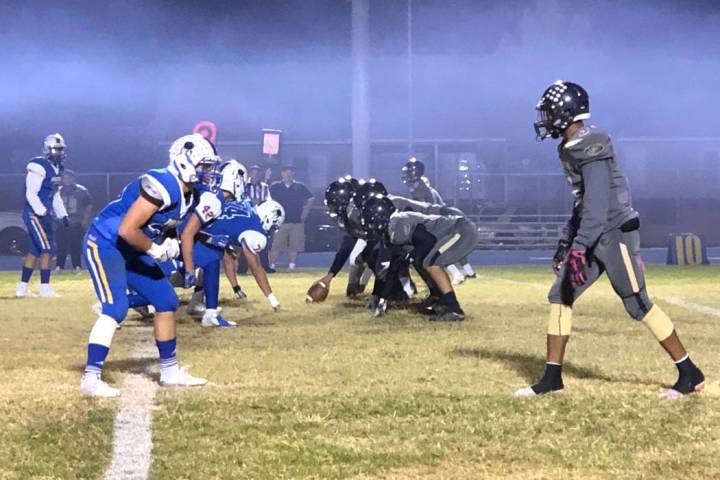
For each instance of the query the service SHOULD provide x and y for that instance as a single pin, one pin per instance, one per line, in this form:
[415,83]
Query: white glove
[273,301]
[165,251]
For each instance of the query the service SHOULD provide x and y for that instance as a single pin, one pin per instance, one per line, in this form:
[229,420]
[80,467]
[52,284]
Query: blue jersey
[159,184]
[236,218]
[52,179]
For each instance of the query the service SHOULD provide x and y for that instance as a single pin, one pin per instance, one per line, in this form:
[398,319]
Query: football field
[327,391]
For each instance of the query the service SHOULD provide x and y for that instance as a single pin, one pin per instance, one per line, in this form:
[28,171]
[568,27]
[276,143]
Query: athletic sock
[551,381]
[26,274]
[99,344]
[168,358]
[689,375]
[45,276]
[450,300]
[468,269]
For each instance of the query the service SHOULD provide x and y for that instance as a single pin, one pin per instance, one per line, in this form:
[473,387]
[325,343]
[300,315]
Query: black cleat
[686,383]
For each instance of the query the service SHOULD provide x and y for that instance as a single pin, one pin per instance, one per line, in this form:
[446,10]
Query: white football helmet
[234,178]
[271,213]
[189,152]
[54,147]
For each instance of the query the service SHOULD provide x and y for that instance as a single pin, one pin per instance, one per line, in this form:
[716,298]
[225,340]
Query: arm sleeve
[595,204]
[33,182]
[346,247]
[59,206]
[570,229]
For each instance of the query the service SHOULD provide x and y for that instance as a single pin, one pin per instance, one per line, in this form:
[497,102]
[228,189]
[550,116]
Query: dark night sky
[138,72]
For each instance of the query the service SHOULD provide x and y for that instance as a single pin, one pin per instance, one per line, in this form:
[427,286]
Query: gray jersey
[602,196]
[421,191]
[403,204]
[351,223]
[402,226]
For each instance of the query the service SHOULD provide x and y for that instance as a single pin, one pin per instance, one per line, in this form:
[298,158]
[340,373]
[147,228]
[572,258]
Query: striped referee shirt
[257,192]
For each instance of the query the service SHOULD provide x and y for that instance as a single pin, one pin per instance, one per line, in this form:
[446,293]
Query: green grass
[327,391]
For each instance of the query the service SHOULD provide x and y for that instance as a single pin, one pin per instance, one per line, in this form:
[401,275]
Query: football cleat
[179,377]
[527,392]
[22,291]
[448,316]
[196,305]
[212,319]
[146,312]
[92,385]
[457,280]
[685,385]
[47,291]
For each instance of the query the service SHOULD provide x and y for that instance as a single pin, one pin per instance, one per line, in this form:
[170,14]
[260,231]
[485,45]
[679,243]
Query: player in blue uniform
[205,239]
[123,247]
[42,204]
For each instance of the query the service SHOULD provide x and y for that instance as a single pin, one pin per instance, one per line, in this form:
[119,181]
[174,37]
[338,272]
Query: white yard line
[698,307]
[132,434]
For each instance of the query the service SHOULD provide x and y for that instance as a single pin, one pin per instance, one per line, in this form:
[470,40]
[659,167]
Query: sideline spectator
[78,204]
[297,200]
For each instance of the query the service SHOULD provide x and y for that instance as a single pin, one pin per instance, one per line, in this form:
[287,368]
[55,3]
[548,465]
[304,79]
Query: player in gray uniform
[413,175]
[601,237]
[435,241]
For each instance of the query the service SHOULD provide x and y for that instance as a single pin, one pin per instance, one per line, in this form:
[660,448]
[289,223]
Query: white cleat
[47,291]
[457,280]
[22,291]
[93,386]
[524,392]
[212,319]
[179,377]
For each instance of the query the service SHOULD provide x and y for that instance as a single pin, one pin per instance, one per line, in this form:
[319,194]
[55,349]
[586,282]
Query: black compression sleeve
[343,253]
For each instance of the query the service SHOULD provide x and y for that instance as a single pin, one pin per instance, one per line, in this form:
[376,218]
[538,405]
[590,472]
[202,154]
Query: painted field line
[698,307]
[132,432]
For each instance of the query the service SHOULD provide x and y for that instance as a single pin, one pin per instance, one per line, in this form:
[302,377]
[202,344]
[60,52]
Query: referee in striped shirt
[258,192]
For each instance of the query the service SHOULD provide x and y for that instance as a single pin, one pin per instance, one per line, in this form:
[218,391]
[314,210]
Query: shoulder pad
[170,183]
[589,144]
[209,207]
[35,165]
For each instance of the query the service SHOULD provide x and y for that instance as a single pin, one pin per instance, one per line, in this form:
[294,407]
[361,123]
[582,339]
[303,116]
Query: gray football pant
[616,253]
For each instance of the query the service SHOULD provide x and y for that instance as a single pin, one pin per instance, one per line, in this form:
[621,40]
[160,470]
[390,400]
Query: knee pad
[560,321]
[116,310]
[638,305]
[659,323]
[168,302]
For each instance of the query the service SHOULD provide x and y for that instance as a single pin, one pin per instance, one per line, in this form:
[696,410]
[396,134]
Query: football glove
[163,252]
[190,279]
[220,241]
[65,221]
[563,247]
[576,268]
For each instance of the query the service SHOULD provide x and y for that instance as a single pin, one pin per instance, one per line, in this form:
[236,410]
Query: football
[317,293]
